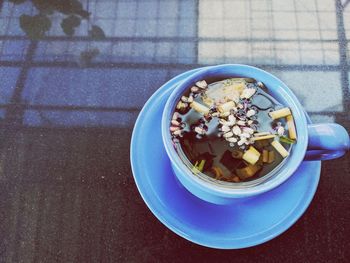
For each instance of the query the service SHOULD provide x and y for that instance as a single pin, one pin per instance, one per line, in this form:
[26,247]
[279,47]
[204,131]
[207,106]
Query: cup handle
[326,141]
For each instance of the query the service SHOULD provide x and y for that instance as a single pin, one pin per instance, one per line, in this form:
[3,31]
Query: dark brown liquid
[216,151]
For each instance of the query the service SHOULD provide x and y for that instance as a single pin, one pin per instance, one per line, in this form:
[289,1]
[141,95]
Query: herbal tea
[232,130]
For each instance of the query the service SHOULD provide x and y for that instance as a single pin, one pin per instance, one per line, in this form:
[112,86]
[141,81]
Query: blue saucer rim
[282,226]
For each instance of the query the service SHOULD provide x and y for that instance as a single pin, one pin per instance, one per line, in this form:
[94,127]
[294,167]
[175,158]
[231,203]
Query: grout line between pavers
[14,114]
[196,48]
[344,67]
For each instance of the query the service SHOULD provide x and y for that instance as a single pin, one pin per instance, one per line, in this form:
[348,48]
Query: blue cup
[315,141]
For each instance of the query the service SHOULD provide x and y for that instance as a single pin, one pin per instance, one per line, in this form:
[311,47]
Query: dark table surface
[72,82]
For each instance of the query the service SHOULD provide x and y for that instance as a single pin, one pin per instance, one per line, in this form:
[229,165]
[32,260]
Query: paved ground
[66,190]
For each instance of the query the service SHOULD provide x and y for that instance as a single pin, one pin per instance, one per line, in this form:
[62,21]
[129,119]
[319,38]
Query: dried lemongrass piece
[261,134]
[218,172]
[201,165]
[280,149]
[271,157]
[291,127]
[247,171]
[199,107]
[198,166]
[258,138]
[195,168]
[277,114]
[286,140]
[235,179]
[226,107]
[251,155]
[201,84]
[265,155]
[260,161]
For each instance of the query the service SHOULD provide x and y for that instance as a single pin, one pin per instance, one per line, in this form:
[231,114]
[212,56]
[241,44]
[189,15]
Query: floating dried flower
[224,114]
[241,123]
[181,105]
[232,139]
[245,135]
[248,130]
[173,128]
[175,123]
[225,128]
[228,134]
[194,89]
[232,119]
[250,113]
[236,130]
[199,130]
[184,99]
[176,115]
[241,141]
[202,84]
[178,133]
[280,130]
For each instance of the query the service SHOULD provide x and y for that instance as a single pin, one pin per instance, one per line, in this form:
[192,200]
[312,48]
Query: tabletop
[75,74]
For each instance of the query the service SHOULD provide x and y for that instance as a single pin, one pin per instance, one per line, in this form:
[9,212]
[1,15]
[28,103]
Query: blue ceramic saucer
[247,222]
